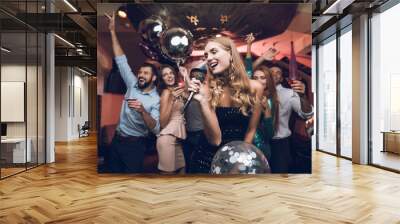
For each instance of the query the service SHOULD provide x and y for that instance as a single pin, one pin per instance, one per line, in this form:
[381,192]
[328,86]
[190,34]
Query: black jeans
[280,155]
[301,154]
[189,144]
[127,154]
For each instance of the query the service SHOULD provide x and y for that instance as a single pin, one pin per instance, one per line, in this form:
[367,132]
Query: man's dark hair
[153,68]
[198,73]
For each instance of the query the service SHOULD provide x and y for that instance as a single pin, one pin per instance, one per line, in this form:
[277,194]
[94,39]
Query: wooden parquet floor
[71,191]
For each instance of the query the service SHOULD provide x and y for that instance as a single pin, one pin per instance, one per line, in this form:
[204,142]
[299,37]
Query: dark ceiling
[241,19]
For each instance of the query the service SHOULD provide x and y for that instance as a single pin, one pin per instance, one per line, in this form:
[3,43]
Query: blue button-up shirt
[131,122]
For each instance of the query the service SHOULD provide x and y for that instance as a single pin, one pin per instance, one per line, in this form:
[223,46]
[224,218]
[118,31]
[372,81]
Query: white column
[50,93]
[360,90]
[50,101]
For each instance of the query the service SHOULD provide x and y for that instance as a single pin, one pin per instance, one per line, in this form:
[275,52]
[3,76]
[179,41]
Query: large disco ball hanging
[239,157]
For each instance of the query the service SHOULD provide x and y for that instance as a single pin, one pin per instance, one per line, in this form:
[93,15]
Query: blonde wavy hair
[235,78]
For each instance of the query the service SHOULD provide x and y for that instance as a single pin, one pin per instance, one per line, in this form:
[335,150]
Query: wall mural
[204,88]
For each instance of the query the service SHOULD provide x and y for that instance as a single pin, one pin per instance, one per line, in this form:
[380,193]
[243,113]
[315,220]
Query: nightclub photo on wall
[212,89]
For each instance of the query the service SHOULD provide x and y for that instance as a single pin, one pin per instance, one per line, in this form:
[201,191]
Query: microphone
[199,74]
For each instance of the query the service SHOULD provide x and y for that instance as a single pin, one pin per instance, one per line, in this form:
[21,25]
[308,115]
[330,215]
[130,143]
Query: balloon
[150,30]
[176,44]
[239,157]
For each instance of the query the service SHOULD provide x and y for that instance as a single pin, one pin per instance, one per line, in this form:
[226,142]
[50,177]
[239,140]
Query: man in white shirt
[290,100]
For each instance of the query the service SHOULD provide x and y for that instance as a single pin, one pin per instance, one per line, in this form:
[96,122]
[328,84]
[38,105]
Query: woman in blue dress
[269,118]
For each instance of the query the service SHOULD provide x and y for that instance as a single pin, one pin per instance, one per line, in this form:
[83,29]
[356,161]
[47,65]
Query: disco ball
[239,157]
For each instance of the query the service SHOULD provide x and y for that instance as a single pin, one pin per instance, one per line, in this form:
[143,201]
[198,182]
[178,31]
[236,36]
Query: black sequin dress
[233,125]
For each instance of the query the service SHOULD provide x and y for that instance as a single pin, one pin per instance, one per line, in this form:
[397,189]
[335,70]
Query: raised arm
[120,58]
[185,74]
[249,40]
[117,49]
[248,60]
[266,56]
[299,101]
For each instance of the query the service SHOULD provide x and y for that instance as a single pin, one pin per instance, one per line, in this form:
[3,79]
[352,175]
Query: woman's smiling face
[217,57]
[168,76]
[261,77]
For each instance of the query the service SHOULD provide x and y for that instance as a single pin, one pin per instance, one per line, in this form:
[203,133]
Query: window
[385,89]
[22,74]
[346,92]
[327,96]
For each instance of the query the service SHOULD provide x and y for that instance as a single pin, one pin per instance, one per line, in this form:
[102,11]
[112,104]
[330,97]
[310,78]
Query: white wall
[70,84]
[16,73]
[33,126]
[61,103]
[80,100]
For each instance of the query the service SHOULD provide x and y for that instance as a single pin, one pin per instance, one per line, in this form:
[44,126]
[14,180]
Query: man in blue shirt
[140,112]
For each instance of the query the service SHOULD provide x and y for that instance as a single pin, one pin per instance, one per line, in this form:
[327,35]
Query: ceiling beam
[320,22]
[86,26]
[337,7]
[83,61]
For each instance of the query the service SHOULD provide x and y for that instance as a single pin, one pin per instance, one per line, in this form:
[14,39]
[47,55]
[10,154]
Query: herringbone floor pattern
[71,191]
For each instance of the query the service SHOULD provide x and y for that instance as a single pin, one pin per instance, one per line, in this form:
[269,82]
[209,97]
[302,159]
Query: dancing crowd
[238,100]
